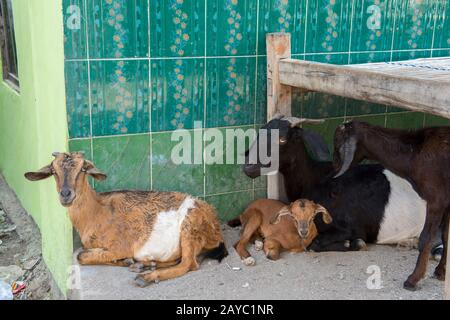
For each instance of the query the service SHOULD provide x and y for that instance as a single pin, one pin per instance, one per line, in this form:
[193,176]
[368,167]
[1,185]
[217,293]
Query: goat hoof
[128,262]
[439,275]
[249,262]
[361,245]
[259,245]
[140,282]
[136,267]
[409,286]
[436,254]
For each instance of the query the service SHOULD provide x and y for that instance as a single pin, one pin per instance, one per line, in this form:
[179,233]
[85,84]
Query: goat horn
[297,121]
[277,116]
[346,152]
[55,154]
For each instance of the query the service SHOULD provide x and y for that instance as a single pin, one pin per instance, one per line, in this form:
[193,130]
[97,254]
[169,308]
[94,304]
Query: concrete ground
[330,275]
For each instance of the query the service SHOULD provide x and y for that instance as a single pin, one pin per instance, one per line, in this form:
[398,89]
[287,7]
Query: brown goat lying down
[264,219]
[154,229]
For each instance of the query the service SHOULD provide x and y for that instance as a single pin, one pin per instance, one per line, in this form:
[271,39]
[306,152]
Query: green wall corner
[34,124]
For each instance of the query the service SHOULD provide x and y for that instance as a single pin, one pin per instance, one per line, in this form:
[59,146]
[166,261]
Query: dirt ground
[20,250]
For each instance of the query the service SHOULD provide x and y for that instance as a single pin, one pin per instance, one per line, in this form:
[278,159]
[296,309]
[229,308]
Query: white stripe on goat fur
[404,215]
[164,240]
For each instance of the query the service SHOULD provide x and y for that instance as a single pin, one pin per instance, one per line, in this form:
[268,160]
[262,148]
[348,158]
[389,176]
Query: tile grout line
[435,15]
[394,25]
[256,78]
[349,51]
[252,56]
[306,27]
[205,96]
[150,96]
[250,126]
[91,128]
[351,31]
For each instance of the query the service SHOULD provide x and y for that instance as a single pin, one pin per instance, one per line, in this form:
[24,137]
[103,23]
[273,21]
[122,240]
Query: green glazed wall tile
[231,26]
[328,26]
[74,29]
[222,177]
[229,206]
[408,120]
[409,55]
[282,16]
[435,121]
[441,53]
[297,102]
[230,92]
[442,31]
[77,99]
[260,194]
[120,97]
[414,25]
[375,120]
[177,28]
[260,182]
[341,58]
[125,160]
[83,145]
[118,28]
[177,93]
[319,105]
[326,130]
[373,24]
[261,91]
[168,176]
[372,57]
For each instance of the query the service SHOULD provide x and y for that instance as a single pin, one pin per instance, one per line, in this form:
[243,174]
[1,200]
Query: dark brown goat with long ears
[165,230]
[423,158]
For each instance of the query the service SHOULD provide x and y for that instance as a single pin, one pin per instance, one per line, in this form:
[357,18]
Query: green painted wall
[33,124]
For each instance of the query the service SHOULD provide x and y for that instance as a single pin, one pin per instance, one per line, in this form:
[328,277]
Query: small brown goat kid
[423,158]
[138,229]
[264,219]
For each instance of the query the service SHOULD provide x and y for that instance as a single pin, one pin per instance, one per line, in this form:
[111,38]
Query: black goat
[423,158]
[368,202]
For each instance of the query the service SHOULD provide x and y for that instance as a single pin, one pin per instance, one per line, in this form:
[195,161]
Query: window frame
[8,46]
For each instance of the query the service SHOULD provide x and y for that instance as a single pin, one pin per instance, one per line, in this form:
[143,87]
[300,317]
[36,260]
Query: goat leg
[100,256]
[432,223]
[250,227]
[439,272]
[326,241]
[190,249]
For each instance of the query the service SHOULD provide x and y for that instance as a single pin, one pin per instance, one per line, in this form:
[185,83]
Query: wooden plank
[278,97]
[423,95]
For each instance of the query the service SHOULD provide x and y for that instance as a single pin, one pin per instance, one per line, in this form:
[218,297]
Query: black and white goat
[367,203]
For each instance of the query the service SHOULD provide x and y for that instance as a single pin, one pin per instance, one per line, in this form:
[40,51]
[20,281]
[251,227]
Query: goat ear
[91,170]
[345,155]
[317,145]
[42,174]
[283,212]
[326,217]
